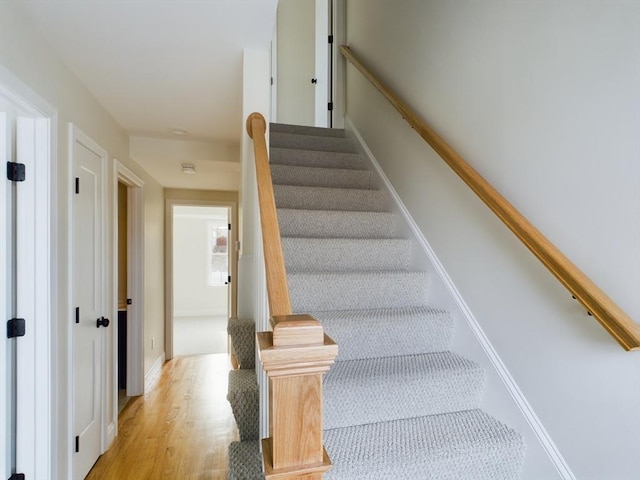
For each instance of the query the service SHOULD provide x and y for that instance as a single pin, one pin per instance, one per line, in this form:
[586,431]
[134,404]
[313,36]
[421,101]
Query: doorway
[200,279]
[207,276]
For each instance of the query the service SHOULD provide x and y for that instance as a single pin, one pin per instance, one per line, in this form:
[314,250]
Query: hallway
[179,429]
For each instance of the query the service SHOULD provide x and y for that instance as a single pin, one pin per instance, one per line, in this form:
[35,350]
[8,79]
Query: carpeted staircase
[397,403]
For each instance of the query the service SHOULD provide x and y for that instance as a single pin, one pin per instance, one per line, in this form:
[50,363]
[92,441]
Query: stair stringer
[502,397]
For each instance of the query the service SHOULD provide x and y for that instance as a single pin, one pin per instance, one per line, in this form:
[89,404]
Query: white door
[88,301]
[303,76]
[7,388]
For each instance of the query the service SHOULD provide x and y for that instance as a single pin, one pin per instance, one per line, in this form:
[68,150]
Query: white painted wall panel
[542,98]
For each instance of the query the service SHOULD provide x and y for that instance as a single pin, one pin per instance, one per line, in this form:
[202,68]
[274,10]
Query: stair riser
[305,130]
[320,177]
[244,398]
[335,224]
[352,291]
[381,390]
[368,337]
[334,255]
[311,142]
[316,198]
[309,158]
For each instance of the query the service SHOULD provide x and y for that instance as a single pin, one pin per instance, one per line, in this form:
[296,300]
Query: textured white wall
[542,98]
[29,57]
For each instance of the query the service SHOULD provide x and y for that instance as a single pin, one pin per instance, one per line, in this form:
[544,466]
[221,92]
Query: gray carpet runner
[397,403]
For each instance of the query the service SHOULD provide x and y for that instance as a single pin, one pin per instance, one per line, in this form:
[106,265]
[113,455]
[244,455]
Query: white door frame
[77,135]
[168,260]
[37,274]
[339,80]
[135,283]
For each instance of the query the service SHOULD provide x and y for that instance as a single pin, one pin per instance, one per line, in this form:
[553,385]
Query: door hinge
[17,476]
[129,301]
[229,226]
[271,80]
[229,278]
[77,444]
[77,185]
[77,314]
[330,38]
[16,327]
[330,106]
[16,171]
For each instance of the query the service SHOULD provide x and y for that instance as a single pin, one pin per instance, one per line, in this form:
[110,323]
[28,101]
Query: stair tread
[465,445]
[366,390]
[245,461]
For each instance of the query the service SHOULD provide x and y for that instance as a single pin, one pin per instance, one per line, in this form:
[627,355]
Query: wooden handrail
[277,289]
[295,355]
[614,320]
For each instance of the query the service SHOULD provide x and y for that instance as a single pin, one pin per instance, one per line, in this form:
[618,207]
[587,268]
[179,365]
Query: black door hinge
[16,327]
[17,476]
[129,301]
[77,444]
[77,314]
[229,226]
[271,80]
[330,38]
[16,171]
[330,106]
[77,185]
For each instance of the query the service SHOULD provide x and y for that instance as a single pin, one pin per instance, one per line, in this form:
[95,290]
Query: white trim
[527,411]
[36,448]
[135,278]
[154,371]
[339,81]
[78,136]
[5,363]
[168,261]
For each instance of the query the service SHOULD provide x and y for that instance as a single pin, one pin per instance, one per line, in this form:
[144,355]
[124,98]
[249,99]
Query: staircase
[398,404]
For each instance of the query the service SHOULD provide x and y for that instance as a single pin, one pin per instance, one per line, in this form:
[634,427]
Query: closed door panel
[88,283]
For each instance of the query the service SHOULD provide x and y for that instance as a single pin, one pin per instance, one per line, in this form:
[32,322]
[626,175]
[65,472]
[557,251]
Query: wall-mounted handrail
[614,320]
[295,355]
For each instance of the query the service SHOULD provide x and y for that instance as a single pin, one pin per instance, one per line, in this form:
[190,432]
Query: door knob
[102,322]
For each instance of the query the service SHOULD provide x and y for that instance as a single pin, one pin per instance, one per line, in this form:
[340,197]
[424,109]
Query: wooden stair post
[295,356]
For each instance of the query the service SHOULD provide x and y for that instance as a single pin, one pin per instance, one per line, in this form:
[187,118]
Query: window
[218,251]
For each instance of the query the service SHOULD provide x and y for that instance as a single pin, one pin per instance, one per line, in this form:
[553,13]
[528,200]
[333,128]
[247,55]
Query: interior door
[303,62]
[7,364]
[88,302]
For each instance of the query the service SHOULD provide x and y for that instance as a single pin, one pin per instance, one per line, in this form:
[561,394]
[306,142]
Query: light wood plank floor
[179,430]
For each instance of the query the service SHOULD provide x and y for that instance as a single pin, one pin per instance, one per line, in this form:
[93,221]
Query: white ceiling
[156,65]
[159,65]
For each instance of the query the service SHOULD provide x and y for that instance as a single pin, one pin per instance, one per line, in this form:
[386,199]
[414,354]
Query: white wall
[192,294]
[28,57]
[542,98]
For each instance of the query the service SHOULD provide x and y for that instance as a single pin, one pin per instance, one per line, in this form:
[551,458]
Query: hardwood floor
[179,430]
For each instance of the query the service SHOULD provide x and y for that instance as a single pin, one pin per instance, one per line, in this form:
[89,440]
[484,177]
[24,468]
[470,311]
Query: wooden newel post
[295,356]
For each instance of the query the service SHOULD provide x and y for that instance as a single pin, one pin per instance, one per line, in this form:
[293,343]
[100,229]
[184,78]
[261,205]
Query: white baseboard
[534,422]
[154,371]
